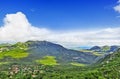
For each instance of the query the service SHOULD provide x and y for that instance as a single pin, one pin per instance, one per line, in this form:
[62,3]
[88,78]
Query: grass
[98,54]
[77,64]
[17,54]
[83,50]
[90,51]
[47,60]
[14,53]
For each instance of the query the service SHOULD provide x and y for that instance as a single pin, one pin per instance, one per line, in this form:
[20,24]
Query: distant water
[81,47]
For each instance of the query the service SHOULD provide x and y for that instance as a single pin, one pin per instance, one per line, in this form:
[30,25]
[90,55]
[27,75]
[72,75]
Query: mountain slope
[111,58]
[107,68]
[104,49]
[39,49]
[110,65]
[31,51]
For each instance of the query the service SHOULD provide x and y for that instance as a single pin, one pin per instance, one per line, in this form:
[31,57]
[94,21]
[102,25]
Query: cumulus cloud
[117,7]
[17,28]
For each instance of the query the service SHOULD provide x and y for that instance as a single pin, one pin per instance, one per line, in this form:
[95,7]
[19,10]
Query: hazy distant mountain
[96,48]
[104,49]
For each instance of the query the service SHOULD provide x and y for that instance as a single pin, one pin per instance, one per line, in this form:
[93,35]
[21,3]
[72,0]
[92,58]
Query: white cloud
[17,28]
[117,7]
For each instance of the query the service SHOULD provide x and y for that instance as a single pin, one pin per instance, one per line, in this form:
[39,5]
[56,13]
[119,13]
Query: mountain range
[31,51]
[46,60]
[103,49]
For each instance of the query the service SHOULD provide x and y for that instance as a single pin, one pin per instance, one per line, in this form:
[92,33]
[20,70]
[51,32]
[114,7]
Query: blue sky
[64,14]
[66,22]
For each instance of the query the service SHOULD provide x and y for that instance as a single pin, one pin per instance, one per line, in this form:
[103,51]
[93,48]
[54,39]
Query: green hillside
[47,60]
[38,52]
[17,63]
[16,51]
